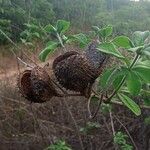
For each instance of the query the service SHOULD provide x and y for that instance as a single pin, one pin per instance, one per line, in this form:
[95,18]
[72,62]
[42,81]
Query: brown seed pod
[96,58]
[74,72]
[24,85]
[36,86]
[77,72]
[42,84]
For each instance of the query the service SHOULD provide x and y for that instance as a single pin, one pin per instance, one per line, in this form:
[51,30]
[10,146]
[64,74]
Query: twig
[88,106]
[112,126]
[61,42]
[126,132]
[112,123]
[120,103]
[99,105]
[74,121]
[69,111]
[12,100]
[38,125]
[116,102]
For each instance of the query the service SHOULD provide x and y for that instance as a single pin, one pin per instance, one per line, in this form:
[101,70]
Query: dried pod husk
[42,84]
[25,88]
[74,72]
[96,58]
[36,85]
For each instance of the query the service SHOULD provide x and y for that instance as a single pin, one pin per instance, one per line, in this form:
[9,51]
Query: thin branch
[75,123]
[61,42]
[69,111]
[38,125]
[113,128]
[126,132]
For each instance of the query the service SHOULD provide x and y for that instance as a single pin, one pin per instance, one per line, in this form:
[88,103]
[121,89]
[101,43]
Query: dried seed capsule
[77,72]
[36,86]
[74,72]
[25,88]
[95,57]
[42,84]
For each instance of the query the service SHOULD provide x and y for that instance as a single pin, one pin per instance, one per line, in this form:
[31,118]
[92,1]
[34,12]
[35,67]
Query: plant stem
[61,42]
[122,82]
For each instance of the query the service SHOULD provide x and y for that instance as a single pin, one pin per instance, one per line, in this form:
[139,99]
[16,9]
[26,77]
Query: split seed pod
[36,85]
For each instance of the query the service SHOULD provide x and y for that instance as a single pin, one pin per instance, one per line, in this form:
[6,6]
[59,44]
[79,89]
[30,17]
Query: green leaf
[105,32]
[130,104]
[117,81]
[143,72]
[49,49]
[104,78]
[49,28]
[122,71]
[81,38]
[135,49]
[146,51]
[109,48]
[133,83]
[62,26]
[145,63]
[123,41]
[139,37]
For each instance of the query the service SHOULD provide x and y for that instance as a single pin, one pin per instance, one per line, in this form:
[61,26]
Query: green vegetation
[126,16]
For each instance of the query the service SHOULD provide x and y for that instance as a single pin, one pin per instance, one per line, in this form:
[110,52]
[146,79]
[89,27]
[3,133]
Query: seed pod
[74,72]
[96,58]
[36,86]
[77,72]
[42,85]
[25,88]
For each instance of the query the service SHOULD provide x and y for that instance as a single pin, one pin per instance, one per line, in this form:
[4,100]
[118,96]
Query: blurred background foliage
[126,16]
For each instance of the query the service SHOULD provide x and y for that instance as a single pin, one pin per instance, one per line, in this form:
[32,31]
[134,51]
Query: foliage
[58,32]
[90,126]
[126,16]
[5,26]
[132,73]
[59,145]
[120,139]
[17,12]
[31,33]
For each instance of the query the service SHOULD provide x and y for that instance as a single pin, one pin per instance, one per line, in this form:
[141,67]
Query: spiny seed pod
[74,72]
[36,86]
